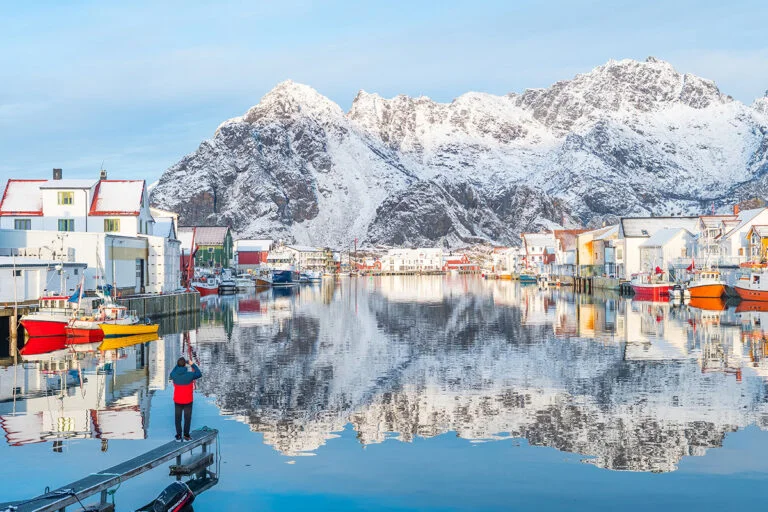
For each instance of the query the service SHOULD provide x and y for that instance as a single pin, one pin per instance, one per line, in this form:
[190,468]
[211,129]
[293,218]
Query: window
[111,225]
[66,224]
[741,251]
[25,224]
[66,198]
[17,273]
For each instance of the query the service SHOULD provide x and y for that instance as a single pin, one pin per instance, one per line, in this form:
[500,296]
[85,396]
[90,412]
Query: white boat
[311,275]
[227,284]
[245,283]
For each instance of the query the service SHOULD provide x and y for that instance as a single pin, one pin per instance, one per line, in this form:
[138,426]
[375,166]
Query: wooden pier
[167,304]
[77,492]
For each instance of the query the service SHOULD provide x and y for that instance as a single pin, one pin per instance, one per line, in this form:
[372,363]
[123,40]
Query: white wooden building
[413,260]
[24,279]
[103,223]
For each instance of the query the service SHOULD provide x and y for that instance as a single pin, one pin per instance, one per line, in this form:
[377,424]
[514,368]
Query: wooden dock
[101,482]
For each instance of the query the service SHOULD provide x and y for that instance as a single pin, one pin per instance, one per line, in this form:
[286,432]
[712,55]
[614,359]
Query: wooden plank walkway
[103,480]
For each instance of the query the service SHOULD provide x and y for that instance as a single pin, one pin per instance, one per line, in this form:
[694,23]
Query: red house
[456,262]
[251,253]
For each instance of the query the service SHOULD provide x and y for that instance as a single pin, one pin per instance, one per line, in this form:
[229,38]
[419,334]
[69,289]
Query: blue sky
[138,85]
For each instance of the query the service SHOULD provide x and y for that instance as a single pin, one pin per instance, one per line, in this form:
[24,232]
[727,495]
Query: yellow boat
[128,329]
[126,341]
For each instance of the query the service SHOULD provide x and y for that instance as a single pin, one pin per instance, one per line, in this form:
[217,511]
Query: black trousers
[187,410]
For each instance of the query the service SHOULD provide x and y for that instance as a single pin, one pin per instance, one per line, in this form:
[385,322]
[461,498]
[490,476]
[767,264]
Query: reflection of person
[184,377]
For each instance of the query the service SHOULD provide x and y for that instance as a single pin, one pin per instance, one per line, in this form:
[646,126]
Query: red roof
[125,196]
[17,193]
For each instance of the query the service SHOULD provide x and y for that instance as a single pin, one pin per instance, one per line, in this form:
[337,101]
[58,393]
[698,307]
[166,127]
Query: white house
[665,247]
[306,257]
[539,249]
[634,231]
[105,223]
[413,260]
[734,245]
[93,206]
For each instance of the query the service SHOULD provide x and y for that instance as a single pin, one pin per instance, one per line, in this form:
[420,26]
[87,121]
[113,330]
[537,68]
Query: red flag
[692,266]
[659,271]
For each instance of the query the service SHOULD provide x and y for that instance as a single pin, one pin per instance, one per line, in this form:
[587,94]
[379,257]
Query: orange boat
[753,286]
[707,284]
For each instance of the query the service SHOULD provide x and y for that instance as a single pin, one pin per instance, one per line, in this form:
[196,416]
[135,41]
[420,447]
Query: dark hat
[181,362]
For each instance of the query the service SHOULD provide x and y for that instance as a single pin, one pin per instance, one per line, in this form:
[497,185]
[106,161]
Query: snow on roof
[607,232]
[205,235]
[713,221]
[117,197]
[22,197]
[305,248]
[55,184]
[746,217]
[253,245]
[663,236]
[643,227]
[568,238]
[539,239]
[157,212]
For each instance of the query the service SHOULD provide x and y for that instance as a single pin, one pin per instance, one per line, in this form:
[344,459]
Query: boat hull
[707,291]
[111,330]
[206,290]
[527,279]
[284,277]
[37,328]
[752,295]
[651,291]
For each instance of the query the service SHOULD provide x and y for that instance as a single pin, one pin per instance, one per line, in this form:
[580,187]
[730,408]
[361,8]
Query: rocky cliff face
[628,137]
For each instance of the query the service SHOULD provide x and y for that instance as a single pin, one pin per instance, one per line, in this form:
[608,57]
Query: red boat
[650,287]
[208,287]
[52,315]
[41,325]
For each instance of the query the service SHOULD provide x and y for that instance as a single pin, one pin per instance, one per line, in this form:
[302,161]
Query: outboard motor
[175,498]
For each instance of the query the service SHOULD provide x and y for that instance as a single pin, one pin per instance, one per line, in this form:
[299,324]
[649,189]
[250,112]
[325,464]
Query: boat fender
[174,498]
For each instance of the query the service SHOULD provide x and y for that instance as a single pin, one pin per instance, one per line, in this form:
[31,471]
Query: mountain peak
[618,86]
[289,99]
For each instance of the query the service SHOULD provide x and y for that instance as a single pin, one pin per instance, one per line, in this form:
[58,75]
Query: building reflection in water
[60,390]
[630,385]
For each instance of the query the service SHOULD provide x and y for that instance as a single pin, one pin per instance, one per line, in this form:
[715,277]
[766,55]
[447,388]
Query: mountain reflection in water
[632,385]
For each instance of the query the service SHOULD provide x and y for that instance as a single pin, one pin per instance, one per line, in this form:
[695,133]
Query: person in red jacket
[184,376]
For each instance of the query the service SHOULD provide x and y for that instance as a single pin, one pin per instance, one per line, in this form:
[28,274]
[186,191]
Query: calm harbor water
[431,393]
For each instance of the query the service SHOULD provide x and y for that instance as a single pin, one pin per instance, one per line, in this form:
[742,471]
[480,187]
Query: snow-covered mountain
[628,137]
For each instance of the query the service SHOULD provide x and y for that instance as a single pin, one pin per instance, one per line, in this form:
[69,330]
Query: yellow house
[591,250]
[757,236]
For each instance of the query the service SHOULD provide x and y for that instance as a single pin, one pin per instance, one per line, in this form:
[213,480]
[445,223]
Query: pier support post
[13,331]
